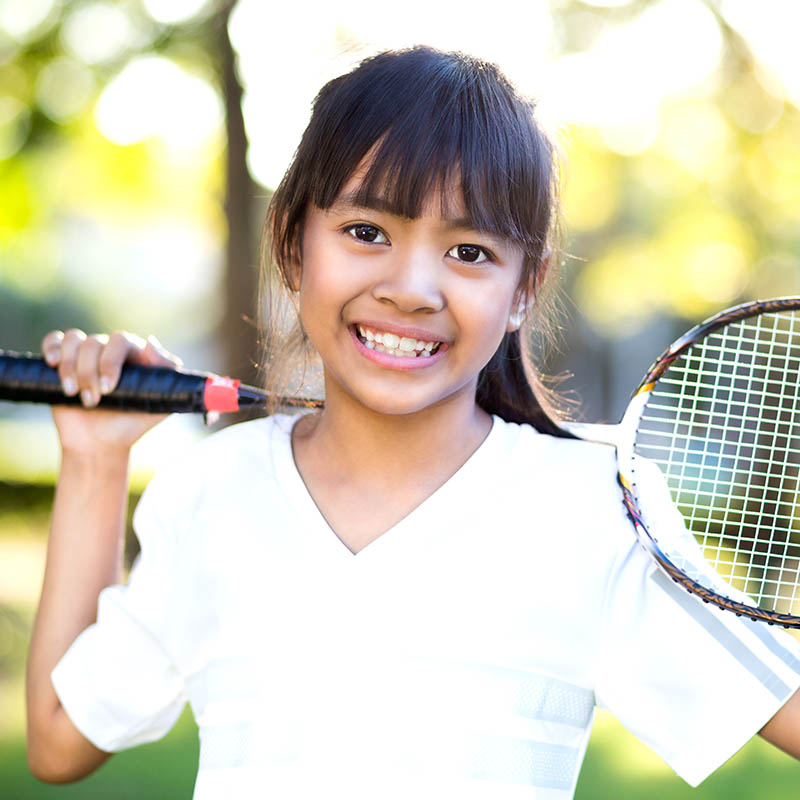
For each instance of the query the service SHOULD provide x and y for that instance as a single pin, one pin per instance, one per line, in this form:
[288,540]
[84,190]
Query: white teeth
[395,345]
[409,345]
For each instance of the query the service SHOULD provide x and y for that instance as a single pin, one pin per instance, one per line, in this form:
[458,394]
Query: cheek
[326,286]
[486,311]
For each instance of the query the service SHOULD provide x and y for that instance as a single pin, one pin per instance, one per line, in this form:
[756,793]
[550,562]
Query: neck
[371,447]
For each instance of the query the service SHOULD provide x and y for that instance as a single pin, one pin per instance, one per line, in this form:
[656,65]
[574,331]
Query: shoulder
[245,440]
[554,458]
[225,464]
[568,485]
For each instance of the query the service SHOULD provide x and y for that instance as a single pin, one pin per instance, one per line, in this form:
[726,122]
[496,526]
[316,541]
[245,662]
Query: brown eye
[469,253]
[366,233]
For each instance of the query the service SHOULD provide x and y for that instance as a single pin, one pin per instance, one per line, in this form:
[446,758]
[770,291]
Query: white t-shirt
[460,654]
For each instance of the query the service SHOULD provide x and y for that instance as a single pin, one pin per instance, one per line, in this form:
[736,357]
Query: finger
[67,366]
[51,347]
[169,359]
[87,368]
[155,354]
[122,346]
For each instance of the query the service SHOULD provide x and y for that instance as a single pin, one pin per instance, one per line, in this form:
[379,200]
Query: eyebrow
[349,202]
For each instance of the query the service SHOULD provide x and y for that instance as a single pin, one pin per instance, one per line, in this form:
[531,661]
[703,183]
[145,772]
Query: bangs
[425,123]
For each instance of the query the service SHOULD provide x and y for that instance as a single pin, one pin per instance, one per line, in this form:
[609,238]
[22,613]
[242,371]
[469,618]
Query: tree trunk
[238,330]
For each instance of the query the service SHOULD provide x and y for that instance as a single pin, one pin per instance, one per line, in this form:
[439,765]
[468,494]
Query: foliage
[86,223]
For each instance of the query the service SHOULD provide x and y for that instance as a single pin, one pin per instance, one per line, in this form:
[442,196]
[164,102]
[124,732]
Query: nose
[412,282]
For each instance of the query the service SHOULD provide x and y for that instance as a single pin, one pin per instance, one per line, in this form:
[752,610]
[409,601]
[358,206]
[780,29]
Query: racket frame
[622,438]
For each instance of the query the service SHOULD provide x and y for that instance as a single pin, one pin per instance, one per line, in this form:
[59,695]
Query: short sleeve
[119,682]
[691,681]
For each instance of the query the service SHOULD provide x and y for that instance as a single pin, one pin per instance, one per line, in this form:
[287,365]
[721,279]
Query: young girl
[424,589]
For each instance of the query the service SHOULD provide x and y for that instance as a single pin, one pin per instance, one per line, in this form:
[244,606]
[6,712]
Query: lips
[395,358]
[383,341]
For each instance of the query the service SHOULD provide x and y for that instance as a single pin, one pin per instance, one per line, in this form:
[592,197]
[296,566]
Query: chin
[405,403]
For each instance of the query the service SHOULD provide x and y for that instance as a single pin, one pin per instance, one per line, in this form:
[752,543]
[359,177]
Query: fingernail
[86,397]
[105,385]
[70,387]
[50,358]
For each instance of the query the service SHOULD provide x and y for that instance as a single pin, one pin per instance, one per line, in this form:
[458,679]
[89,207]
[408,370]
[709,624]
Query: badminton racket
[719,414]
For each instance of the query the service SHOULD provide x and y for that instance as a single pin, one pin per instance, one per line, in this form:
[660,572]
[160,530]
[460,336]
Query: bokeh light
[98,32]
[173,12]
[64,88]
[24,20]
[154,97]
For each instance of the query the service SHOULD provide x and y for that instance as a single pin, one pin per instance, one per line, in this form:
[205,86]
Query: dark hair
[427,118]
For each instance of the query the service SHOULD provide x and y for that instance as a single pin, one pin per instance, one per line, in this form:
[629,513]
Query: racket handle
[27,378]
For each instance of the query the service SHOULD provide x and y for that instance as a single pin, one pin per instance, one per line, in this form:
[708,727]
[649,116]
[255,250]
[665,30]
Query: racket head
[718,414]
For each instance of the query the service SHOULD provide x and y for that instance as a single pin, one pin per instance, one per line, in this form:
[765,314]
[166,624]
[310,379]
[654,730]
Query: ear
[292,268]
[294,272]
[526,292]
[518,312]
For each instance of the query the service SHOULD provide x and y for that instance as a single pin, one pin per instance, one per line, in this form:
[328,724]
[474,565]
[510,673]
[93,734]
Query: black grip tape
[26,377]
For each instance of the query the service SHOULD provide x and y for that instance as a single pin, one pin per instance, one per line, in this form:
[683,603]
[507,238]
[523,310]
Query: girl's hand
[91,366]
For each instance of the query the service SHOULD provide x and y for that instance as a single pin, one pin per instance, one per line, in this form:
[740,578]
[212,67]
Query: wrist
[104,458]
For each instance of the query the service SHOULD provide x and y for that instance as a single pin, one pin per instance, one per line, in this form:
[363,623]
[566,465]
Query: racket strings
[723,424]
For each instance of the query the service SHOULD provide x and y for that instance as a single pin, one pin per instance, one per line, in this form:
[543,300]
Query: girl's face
[404,312]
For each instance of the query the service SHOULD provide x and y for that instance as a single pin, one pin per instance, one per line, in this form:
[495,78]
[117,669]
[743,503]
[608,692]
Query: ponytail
[510,387]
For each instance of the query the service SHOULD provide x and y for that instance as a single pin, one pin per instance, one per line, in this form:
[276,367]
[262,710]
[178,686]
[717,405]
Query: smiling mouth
[394,345]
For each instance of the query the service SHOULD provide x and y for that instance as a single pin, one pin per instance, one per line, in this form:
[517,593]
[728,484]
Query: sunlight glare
[336,37]
[622,81]
[275,108]
[770,27]
[153,96]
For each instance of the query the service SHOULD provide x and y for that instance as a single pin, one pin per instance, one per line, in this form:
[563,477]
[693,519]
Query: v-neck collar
[465,482]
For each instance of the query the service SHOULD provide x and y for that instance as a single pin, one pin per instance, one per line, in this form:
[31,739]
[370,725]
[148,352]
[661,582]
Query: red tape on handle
[221,394]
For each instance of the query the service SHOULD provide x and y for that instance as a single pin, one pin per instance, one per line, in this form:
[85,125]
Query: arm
[84,553]
[84,556]
[783,730]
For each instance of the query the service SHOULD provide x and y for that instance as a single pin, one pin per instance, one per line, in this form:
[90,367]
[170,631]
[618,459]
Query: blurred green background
[139,141]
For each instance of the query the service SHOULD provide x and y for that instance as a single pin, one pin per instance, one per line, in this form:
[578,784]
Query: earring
[516,317]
